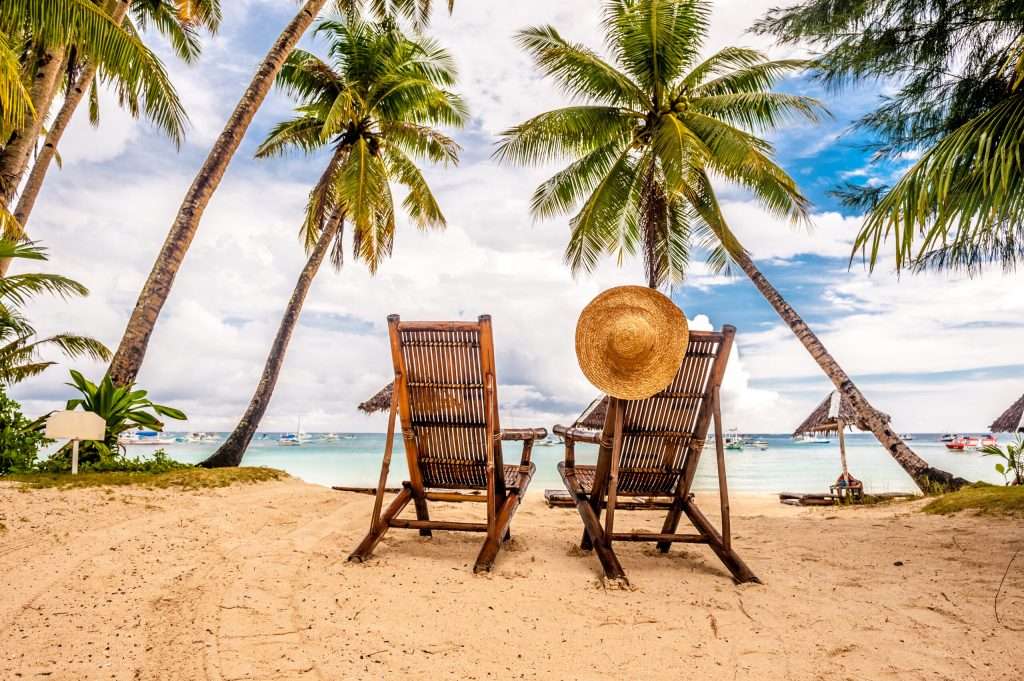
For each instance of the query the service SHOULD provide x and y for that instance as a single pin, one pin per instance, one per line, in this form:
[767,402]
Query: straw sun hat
[630,341]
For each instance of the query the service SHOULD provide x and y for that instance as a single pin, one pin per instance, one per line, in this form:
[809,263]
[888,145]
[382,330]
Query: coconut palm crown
[654,125]
[372,104]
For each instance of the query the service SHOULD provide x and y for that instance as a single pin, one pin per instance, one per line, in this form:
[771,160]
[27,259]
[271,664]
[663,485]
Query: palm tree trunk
[132,350]
[230,453]
[27,199]
[928,479]
[18,151]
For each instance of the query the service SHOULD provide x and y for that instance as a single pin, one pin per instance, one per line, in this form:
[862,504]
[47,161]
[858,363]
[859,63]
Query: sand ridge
[250,582]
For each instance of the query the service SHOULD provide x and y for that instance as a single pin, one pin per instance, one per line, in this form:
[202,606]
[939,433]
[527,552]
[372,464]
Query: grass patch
[985,499]
[184,478]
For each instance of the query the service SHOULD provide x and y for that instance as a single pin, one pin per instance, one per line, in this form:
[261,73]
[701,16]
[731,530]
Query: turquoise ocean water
[784,466]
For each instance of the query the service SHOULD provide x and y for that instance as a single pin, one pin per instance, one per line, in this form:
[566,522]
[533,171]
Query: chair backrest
[447,398]
[665,432]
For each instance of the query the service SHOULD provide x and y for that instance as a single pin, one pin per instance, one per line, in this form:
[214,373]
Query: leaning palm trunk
[74,96]
[18,152]
[132,350]
[928,479]
[230,453]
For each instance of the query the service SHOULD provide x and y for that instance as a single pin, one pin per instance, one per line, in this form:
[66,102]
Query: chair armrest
[523,434]
[578,434]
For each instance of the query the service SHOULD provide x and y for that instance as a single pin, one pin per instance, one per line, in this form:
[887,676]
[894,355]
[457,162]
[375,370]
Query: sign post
[76,426]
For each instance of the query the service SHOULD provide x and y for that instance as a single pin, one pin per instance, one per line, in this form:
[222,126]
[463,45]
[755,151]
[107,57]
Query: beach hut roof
[592,417]
[1011,420]
[379,402]
[826,416]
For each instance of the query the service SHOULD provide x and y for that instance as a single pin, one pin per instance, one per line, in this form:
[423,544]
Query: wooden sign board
[76,425]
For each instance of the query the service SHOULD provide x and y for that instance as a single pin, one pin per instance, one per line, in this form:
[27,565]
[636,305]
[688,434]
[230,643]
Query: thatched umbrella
[832,417]
[1012,420]
[592,417]
[379,402]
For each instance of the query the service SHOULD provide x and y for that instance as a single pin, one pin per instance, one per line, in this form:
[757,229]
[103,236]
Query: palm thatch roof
[592,417]
[1011,420]
[826,417]
[379,402]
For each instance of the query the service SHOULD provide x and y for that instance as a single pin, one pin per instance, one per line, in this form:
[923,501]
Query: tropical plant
[1012,465]
[20,347]
[958,105]
[20,438]
[372,104]
[177,20]
[122,407]
[132,349]
[51,36]
[652,128]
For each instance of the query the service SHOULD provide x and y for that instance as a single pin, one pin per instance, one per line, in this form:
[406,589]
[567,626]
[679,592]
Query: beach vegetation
[21,348]
[374,105]
[955,111]
[184,478]
[122,407]
[21,438]
[1012,465]
[982,498]
[650,131]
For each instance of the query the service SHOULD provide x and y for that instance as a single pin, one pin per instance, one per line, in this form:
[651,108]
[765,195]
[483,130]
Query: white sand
[250,582]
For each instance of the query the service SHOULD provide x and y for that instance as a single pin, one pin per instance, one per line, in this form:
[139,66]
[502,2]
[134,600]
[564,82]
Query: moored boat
[144,437]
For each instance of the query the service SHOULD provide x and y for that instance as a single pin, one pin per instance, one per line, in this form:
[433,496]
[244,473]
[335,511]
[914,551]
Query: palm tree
[373,105]
[132,349]
[178,20]
[44,32]
[20,348]
[656,124]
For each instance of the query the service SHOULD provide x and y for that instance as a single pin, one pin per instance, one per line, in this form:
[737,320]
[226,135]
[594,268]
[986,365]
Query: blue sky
[936,352]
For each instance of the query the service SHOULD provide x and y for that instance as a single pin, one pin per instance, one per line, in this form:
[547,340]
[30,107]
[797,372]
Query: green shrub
[20,438]
[160,462]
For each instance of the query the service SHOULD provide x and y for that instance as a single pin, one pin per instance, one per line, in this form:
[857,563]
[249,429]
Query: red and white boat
[989,440]
[956,444]
[963,442]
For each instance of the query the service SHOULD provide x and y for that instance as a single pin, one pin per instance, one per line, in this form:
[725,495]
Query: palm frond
[655,40]
[568,132]
[964,195]
[578,70]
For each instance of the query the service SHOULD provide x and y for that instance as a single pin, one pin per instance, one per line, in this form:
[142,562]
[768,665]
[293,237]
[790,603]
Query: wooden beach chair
[445,393]
[649,450]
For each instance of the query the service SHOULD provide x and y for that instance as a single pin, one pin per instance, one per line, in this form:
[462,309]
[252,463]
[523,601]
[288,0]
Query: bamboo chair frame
[445,396]
[649,449]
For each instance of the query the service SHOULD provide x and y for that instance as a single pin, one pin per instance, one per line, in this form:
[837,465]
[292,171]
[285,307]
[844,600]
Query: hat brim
[645,375]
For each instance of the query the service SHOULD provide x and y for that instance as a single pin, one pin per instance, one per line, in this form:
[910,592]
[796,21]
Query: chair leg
[728,556]
[502,532]
[365,548]
[671,524]
[593,533]
[420,503]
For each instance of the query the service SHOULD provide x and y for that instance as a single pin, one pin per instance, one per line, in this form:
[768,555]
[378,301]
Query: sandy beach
[250,582]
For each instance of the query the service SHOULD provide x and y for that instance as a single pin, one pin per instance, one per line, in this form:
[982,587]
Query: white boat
[949,437]
[201,437]
[295,439]
[808,439]
[906,436]
[551,441]
[330,437]
[149,438]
